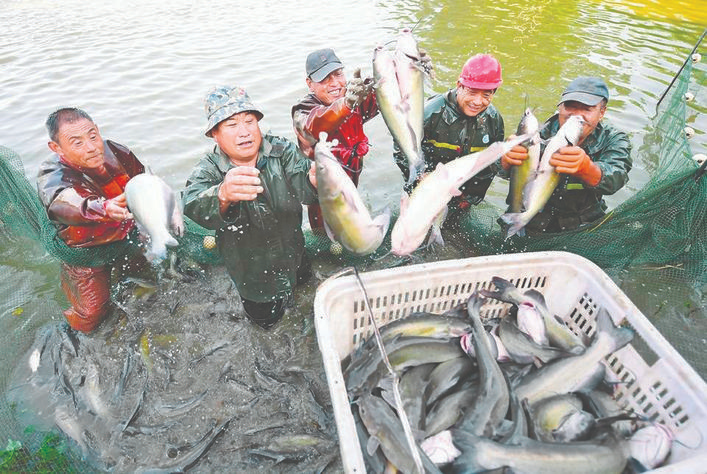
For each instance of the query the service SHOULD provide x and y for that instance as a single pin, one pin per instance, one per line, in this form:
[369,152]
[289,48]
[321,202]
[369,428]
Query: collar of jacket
[224,162]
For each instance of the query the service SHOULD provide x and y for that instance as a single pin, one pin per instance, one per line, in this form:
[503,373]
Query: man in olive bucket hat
[250,189]
[597,166]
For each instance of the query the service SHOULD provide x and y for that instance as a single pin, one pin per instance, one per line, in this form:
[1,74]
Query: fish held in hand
[420,210]
[156,210]
[542,184]
[520,175]
[346,218]
[400,95]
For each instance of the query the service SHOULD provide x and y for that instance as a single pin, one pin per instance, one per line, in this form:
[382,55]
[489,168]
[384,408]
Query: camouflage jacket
[75,198]
[574,202]
[449,134]
[261,241]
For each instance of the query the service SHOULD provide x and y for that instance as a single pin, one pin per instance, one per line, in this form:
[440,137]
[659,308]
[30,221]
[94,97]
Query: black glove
[426,63]
[356,90]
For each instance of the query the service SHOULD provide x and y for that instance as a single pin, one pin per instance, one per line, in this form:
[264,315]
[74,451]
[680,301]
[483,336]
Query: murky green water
[141,70]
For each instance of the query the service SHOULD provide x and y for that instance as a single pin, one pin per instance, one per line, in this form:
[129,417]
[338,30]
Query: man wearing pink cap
[463,121]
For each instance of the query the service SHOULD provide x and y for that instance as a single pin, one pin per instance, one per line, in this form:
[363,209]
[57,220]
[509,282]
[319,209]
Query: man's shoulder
[278,145]
[493,113]
[436,102]
[608,130]
[308,102]
[117,146]
[609,137]
[550,126]
[54,165]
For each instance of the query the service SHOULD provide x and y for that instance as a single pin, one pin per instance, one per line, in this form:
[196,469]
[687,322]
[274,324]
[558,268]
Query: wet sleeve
[369,107]
[320,118]
[76,205]
[297,167]
[200,198]
[615,162]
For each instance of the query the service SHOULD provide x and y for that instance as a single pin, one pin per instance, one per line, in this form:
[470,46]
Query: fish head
[383,64]
[574,426]
[407,45]
[528,123]
[331,177]
[400,243]
[578,124]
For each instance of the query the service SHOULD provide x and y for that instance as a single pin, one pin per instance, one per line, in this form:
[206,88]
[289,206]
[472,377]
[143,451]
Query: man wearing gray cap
[338,108]
[597,166]
[250,189]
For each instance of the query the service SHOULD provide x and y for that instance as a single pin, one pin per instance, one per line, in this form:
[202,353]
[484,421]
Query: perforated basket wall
[657,382]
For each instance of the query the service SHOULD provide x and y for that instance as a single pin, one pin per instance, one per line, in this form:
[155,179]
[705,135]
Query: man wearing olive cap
[337,107]
[250,189]
[597,166]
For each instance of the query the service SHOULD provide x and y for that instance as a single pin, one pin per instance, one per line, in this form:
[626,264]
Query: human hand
[117,208]
[240,184]
[356,90]
[574,161]
[426,63]
[515,156]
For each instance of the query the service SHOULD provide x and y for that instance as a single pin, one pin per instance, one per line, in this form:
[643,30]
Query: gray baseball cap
[587,90]
[223,101]
[321,63]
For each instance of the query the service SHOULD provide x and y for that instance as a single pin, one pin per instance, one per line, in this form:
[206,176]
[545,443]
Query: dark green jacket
[574,202]
[261,241]
[450,134]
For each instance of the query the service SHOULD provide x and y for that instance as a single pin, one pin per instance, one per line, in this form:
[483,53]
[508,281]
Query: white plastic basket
[658,382]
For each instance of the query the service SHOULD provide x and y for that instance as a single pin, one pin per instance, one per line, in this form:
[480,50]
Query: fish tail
[501,283]
[516,221]
[416,171]
[435,236]
[157,252]
[618,335]
[468,444]
[383,220]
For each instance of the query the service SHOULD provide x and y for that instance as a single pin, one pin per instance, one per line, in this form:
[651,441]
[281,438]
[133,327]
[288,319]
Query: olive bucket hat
[225,101]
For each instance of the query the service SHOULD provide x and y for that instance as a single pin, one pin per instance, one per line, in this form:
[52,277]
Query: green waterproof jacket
[574,202]
[261,241]
[450,134]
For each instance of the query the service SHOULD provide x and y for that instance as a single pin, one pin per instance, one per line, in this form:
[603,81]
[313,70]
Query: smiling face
[330,88]
[473,101]
[592,115]
[239,138]
[79,143]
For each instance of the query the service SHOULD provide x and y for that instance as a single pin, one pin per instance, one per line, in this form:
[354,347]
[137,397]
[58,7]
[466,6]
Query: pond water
[142,70]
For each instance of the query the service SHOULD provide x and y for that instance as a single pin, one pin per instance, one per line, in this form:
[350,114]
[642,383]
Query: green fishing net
[654,244]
